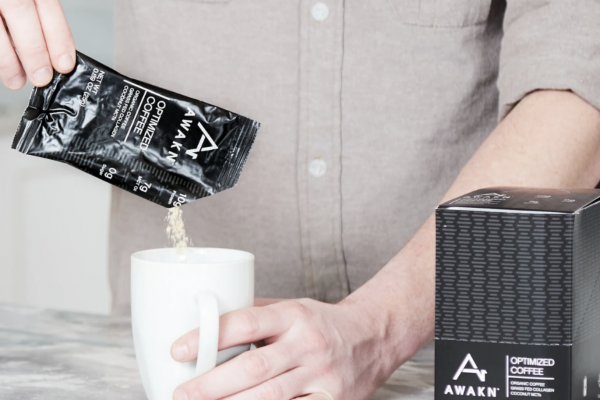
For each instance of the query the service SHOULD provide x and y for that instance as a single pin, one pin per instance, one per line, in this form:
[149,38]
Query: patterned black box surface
[518,295]
[504,277]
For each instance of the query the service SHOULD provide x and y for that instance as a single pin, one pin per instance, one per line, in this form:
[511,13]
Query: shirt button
[319,11]
[317,167]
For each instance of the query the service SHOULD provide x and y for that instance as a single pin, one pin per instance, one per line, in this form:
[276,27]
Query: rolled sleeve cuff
[550,45]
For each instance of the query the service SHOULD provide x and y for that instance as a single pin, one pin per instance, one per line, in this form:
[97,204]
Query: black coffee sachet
[162,146]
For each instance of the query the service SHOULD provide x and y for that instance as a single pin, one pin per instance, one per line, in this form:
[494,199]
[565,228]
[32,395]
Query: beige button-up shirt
[369,109]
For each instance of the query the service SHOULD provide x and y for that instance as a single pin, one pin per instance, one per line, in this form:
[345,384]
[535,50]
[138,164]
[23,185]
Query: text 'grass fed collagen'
[162,146]
[518,295]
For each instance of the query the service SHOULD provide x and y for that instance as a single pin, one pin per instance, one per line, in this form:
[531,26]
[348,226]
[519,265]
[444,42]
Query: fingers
[317,396]
[285,386]
[260,301]
[243,326]
[59,39]
[253,324]
[26,32]
[11,72]
[42,39]
[251,368]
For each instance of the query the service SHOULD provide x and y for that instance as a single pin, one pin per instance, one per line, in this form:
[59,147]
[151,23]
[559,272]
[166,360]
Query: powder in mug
[176,230]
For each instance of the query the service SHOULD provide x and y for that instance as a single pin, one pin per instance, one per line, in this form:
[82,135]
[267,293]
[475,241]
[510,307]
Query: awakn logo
[183,132]
[492,196]
[473,370]
[205,136]
[481,199]
[468,366]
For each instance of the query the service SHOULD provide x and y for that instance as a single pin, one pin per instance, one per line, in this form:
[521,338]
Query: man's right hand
[34,39]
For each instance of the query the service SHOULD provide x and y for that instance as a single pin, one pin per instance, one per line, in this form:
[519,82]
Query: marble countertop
[54,355]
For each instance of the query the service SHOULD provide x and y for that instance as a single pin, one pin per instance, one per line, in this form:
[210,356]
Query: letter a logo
[473,370]
[205,136]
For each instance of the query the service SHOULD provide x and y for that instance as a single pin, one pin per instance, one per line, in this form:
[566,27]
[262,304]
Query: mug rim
[246,256]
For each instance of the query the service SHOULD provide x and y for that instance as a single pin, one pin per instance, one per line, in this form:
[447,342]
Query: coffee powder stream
[176,232]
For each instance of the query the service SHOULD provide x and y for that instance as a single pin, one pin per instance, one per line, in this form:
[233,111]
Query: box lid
[527,199]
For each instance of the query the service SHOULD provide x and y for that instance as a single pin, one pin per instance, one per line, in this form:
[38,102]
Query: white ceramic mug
[169,298]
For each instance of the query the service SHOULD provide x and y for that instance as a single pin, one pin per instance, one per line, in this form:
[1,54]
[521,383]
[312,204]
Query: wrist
[397,306]
[387,329]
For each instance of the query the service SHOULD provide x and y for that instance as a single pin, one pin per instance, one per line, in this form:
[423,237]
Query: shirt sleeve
[549,44]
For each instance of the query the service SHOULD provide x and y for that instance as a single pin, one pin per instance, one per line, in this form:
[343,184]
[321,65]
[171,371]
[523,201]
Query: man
[371,111]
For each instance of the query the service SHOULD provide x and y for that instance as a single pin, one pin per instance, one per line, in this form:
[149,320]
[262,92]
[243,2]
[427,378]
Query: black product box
[518,295]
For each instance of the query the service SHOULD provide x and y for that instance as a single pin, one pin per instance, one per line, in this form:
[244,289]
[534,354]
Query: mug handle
[208,344]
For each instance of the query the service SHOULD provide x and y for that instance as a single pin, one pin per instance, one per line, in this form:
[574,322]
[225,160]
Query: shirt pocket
[441,13]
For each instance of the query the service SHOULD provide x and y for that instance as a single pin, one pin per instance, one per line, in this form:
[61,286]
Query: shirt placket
[319,148]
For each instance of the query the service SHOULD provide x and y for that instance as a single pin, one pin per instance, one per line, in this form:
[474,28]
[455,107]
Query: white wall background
[54,218]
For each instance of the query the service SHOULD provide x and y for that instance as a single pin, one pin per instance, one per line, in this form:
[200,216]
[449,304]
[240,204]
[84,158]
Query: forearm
[550,139]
